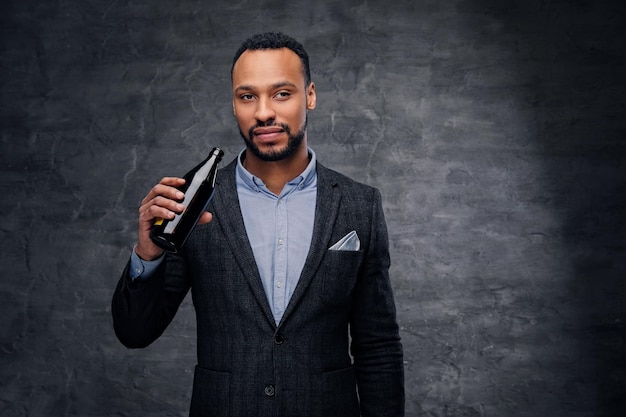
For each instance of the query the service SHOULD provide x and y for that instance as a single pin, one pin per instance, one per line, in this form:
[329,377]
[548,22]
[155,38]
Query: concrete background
[494,129]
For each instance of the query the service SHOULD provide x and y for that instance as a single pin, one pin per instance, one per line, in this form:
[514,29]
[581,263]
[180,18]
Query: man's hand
[162,202]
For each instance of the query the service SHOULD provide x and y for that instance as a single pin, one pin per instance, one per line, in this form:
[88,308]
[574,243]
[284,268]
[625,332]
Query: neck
[276,174]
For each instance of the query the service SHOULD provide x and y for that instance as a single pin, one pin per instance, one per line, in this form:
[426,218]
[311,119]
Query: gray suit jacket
[337,350]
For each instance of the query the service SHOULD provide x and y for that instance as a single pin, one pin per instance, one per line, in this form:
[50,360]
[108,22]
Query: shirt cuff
[142,269]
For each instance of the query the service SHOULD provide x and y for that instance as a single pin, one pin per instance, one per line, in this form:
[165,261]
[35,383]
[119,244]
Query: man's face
[270,102]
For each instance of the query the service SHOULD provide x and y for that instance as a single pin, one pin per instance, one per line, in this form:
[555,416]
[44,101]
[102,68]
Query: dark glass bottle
[198,189]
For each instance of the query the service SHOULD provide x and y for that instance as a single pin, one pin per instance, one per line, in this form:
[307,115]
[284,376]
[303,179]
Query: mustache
[271,123]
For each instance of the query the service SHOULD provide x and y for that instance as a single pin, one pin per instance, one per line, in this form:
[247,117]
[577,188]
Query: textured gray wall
[494,129]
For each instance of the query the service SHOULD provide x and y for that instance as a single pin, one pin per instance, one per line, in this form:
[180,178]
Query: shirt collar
[305,179]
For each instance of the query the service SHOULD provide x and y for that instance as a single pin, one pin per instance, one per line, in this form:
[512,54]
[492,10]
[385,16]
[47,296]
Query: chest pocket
[338,272]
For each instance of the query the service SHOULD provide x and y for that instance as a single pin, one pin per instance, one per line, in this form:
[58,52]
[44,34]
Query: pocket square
[349,242]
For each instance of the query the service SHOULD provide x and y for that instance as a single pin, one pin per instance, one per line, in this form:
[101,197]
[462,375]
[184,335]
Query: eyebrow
[273,86]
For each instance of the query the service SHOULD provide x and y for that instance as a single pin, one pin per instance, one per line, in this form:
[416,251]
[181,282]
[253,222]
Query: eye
[246,97]
[282,95]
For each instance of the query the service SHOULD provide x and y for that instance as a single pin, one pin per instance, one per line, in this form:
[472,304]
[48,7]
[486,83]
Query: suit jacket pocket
[340,399]
[338,274]
[211,393]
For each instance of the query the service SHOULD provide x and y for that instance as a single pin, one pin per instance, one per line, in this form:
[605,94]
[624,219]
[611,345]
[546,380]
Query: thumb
[206,217]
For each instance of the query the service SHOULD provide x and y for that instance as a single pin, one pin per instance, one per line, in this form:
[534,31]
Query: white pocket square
[349,242]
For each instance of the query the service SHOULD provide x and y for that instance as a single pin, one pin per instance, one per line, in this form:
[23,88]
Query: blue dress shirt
[279,228]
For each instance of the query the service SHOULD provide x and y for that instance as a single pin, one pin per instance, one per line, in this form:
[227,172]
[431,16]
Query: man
[288,268]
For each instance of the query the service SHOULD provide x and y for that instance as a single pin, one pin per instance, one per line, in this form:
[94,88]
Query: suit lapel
[326,209]
[226,201]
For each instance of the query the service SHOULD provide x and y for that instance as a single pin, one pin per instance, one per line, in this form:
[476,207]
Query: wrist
[148,255]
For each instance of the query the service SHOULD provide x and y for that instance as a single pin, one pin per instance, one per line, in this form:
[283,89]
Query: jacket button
[269,390]
[279,339]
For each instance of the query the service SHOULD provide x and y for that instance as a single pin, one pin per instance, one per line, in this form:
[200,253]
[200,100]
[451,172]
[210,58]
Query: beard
[293,143]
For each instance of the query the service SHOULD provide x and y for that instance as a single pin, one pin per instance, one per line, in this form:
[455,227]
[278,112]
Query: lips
[268,133]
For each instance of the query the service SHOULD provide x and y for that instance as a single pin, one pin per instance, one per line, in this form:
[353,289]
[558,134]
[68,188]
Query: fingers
[167,187]
[163,200]
[159,208]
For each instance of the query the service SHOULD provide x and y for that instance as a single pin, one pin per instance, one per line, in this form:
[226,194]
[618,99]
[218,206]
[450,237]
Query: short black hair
[275,40]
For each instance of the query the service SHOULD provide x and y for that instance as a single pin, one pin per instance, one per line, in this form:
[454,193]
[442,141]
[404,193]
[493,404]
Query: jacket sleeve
[376,347]
[142,309]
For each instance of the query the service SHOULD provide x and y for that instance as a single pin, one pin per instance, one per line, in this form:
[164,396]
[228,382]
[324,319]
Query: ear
[234,111]
[311,98]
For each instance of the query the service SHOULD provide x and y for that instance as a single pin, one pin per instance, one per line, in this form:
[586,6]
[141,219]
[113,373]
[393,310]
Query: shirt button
[281,241]
[279,284]
[269,390]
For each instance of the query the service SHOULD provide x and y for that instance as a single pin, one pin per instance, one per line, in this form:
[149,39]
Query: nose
[264,111]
